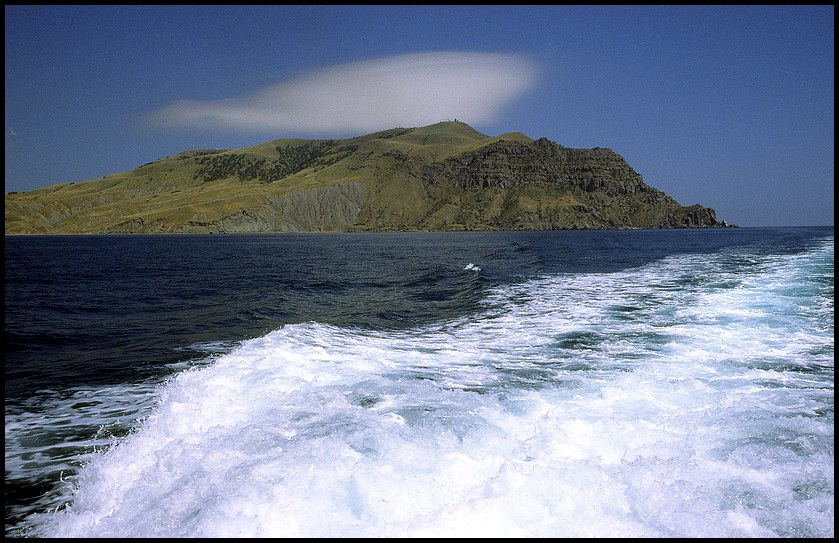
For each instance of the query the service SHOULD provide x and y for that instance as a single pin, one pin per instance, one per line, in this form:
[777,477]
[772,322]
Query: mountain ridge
[445,176]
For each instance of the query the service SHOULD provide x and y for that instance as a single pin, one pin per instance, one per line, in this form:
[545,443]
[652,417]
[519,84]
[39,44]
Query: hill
[446,176]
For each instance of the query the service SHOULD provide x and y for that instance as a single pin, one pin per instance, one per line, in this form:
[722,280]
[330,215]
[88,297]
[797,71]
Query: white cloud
[407,90]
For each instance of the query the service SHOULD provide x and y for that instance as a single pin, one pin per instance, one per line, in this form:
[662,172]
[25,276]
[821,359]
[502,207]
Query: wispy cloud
[406,90]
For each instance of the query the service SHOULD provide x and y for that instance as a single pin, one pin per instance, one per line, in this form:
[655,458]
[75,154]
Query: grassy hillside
[445,176]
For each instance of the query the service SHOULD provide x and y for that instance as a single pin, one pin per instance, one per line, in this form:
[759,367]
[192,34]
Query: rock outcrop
[506,164]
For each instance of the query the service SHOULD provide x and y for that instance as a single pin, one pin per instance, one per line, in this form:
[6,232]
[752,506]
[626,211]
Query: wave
[689,397]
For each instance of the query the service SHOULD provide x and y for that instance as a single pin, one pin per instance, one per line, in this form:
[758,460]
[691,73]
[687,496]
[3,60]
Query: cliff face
[440,177]
[600,189]
[505,164]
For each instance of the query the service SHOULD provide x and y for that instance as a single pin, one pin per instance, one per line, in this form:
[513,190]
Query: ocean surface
[649,383]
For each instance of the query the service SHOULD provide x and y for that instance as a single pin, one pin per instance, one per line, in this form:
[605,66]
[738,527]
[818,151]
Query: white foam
[644,403]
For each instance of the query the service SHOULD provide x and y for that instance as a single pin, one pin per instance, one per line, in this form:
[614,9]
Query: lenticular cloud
[405,90]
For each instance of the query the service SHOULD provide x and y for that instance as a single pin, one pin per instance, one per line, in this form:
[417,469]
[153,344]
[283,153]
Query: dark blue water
[99,331]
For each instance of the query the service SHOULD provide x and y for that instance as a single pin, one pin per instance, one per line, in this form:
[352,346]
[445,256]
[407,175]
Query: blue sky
[730,107]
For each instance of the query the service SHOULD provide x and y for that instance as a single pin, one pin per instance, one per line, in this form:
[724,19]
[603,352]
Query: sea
[618,383]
